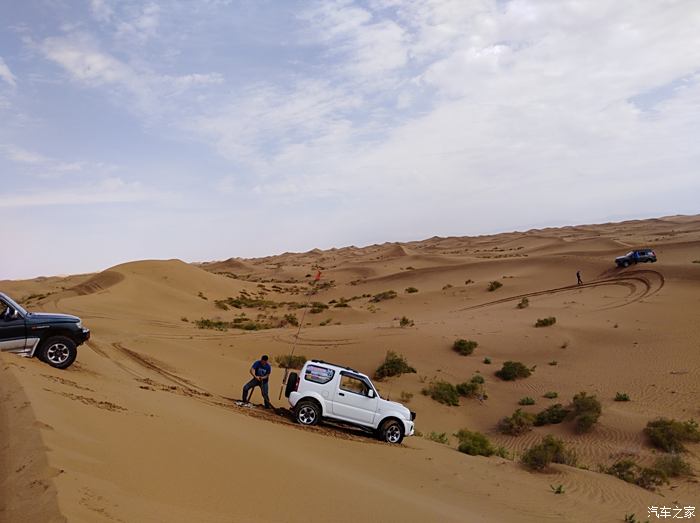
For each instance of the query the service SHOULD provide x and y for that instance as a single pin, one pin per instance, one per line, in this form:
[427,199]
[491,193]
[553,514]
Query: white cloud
[6,75]
[101,10]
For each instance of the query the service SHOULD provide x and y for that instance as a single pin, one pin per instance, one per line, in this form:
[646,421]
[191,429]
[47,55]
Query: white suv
[324,390]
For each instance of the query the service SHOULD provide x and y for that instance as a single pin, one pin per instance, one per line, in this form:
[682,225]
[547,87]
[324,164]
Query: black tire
[58,351]
[307,412]
[391,431]
[625,263]
[291,383]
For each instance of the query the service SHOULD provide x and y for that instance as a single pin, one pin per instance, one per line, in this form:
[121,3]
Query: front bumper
[409,428]
[84,335]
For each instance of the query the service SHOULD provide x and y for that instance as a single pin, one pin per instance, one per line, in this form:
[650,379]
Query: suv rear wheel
[391,431]
[307,412]
[58,351]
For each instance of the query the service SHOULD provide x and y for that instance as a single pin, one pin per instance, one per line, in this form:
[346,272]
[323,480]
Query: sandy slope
[143,427]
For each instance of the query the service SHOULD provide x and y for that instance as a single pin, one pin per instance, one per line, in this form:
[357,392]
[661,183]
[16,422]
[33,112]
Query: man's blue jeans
[248,387]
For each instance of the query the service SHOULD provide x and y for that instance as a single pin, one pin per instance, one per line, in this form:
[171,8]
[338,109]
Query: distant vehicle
[324,390]
[636,256]
[53,338]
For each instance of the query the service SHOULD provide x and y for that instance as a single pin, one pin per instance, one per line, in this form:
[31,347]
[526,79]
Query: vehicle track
[641,284]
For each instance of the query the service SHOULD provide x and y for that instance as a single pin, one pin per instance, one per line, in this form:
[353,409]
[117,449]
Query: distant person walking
[260,371]
[579,281]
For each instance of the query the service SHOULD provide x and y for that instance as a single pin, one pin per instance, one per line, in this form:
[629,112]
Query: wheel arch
[317,398]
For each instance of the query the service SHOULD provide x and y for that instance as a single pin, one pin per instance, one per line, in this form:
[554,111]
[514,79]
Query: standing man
[579,281]
[261,374]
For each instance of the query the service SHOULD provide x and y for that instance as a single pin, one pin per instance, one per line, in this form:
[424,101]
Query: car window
[317,374]
[351,383]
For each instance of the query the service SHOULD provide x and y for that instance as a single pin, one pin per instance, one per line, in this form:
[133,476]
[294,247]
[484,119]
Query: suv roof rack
[336,365]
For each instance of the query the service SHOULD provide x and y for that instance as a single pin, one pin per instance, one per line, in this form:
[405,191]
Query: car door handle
[341,394]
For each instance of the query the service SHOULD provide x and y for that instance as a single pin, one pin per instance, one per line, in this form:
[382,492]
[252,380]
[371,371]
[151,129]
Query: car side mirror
[370,393]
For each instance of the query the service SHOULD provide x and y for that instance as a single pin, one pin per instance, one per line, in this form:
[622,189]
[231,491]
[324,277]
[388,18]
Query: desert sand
[143,427]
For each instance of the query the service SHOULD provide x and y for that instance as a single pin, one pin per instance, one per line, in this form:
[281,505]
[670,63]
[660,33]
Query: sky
[213,129]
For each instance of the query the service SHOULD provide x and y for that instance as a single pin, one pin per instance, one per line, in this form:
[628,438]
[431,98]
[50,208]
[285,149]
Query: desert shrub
[472,388]
[221,304]
[291,319]
[394,365]
[586,411]
[464,347]
[439,437]
[487,361]
[406,322]
[650,478]
[523,304]
[628,470]
[290,361]
[341,304]
[670,435]
[410,290]
[184,318]
[386,295]
[622,396]
[549,450]
[406,397]
[550,395]
[447,286]
[673,466]
[551,415]
[317,307]
[518,423]
[527,400]
[201,295]
[624,469]
[512,370]
[553,362]
[545,322]
[474,443]
[205,323]
[325,322]
[494,285]
[442,392]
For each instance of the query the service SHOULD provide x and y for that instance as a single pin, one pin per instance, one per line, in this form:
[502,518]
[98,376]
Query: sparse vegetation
[464,347]
[472,388]
[518,423]
[291,319]
[382,296]
[394,365]
[552,415]
[317,307]
[559,489]
[184,318]
[673,466]
[325,322]
[550,395]
[406,397]
[513,370]
[447,286]
[670,435]
[628,470]
[549,450]
[527,400]
[523,304]
[442,392]
[553,363]
[494,285]
[622,396]
[290,361]
[406,322]
[411,290]
[218,325]
[474,443]
[220,304]
[487,361]
[545,322]
[440,437]
[586,411]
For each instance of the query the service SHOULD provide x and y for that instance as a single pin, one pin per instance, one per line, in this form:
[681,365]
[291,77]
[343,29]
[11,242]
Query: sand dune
[144,428]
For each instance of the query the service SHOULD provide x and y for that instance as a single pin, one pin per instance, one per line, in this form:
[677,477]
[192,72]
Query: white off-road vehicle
[324,390]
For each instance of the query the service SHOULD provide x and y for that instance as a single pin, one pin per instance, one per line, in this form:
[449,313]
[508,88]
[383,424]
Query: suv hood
[44,317]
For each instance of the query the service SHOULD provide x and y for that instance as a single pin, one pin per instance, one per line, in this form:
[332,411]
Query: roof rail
[336,365]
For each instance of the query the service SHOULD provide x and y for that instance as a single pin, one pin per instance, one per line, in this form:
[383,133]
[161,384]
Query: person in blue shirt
[261,374]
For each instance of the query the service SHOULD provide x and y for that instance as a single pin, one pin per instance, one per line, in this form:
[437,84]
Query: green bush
[670,435]
[622,396]
[410,290]
[494,285]
[317,307]
[523,304]
[386,295]
[394,365]
[512,370]
[586,411]
[549,450]
[673,466]
[545,322]
[442,392]
[405,322]
[218,325]
[472,388]
[464,347]
[527,400]
[628,470]
[439,437]
[518,423]
[474,443]
[551,415]
[487,361]
[550,395]
[291,319]
[290,361]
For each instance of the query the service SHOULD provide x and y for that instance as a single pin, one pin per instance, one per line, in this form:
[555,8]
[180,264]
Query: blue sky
[209,129]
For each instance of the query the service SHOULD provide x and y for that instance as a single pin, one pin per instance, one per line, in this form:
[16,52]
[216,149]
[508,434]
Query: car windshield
[629,253]
[15,305]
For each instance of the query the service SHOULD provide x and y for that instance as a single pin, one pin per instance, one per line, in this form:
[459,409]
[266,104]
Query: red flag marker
[318,276]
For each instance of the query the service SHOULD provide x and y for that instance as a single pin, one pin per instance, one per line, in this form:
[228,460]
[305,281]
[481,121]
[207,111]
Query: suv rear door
[350,399]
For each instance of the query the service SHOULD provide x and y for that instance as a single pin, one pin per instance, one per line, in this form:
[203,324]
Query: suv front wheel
[58,351]
[307,412]
[391,431]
